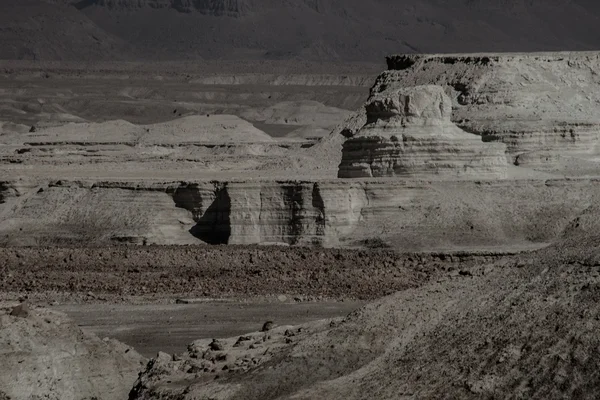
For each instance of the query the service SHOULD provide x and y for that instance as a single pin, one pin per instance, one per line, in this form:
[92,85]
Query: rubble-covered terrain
[522,330]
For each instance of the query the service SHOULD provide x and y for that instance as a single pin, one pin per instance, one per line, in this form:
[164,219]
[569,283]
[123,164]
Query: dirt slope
[317,30]
[520,329]
[37,30]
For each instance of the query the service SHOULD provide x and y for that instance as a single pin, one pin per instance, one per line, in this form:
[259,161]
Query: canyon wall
[543,106]
[409,134]
[404,214]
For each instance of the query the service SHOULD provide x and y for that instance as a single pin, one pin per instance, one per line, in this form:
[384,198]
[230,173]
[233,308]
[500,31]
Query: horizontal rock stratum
[409,134]
[218,179]
[543,106]
[406,214]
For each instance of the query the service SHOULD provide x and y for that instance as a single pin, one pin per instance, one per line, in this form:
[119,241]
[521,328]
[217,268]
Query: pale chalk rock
[543,106]
[409,134]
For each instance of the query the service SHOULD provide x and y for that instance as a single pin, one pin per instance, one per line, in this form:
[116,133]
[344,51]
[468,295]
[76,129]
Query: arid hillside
[307,29]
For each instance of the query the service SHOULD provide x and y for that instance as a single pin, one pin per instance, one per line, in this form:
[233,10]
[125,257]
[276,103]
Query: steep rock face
[179,213]
[409,133]
[407,214]
[538,104]
[45,355]
[281,212]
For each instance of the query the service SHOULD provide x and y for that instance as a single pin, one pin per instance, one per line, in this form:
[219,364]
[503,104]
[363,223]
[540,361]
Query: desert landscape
[249,199]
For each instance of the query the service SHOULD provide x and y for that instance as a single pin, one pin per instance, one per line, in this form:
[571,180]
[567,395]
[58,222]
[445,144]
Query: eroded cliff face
[272,212]
[409,134]
[410,215]
[306,213]
[540,105]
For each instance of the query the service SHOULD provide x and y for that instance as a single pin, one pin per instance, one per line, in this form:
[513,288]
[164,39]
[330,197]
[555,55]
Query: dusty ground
[151,328]
[117,273]
[159,298]
[516,330]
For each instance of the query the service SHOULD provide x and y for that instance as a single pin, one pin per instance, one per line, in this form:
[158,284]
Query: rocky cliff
[406,214]
[409,134]
[542,106]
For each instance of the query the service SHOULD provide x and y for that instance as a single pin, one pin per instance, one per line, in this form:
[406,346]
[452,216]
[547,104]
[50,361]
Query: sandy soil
[151,328]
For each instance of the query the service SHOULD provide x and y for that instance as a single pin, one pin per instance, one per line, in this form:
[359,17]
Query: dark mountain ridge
[208,7]
[331,30]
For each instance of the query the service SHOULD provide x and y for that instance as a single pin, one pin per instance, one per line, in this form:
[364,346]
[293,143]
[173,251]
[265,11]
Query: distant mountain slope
[304,29]
[36,30]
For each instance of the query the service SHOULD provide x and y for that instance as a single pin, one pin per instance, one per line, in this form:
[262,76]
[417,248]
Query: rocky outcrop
[409,134]
[537,104]
[265,212]
[45,355]
[411,215]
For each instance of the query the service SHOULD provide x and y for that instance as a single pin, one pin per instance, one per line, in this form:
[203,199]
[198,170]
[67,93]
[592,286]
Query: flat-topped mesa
[541,105]
[409,134]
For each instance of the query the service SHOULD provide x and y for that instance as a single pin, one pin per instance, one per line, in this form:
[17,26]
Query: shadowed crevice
[214,226]
[319,207]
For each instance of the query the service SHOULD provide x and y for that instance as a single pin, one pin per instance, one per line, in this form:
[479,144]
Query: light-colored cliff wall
[405,214]
[538,104]
[409,134]
[272,212]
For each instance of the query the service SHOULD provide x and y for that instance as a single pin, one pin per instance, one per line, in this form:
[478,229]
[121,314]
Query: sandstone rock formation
[543,106]
[408,215]
[45,355]
[409,134]
[190,180]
